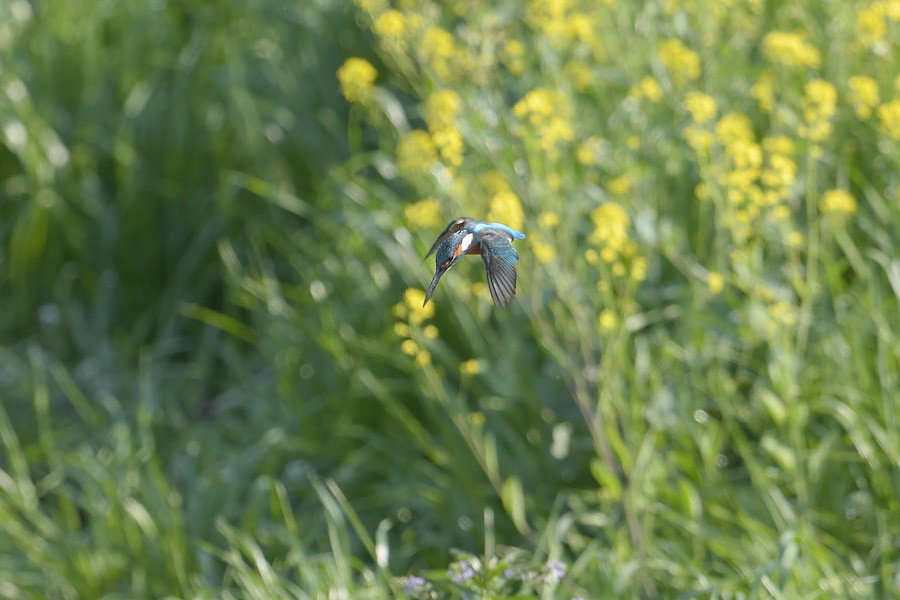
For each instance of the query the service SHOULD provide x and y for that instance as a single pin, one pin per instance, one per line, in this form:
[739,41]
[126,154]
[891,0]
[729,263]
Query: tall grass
[219,380]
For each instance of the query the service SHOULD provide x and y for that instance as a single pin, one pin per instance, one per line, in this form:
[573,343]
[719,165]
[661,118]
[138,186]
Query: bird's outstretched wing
[499,258]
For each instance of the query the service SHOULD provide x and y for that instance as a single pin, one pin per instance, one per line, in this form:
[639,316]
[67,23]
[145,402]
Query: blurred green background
[216,376]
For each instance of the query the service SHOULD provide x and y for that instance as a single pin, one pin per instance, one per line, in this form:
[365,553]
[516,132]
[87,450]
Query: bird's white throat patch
[466,242]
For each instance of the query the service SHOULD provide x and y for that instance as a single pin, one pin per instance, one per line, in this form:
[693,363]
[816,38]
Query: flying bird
[493,241]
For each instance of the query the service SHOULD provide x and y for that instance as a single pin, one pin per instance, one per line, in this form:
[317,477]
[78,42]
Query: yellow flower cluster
[838,203]
[863,95]
[702,107]
[610,235]
[410,314]
[889,117]
[506,208]
[819,106]
[872,23]
[646,89]
[756,180]
[357,78]
[441,109]
[563,27]
[439,50]
[415,152]
[682,63]
[790,50]
[548,112]
[391,29]
[763,91]
[512,54]
[423,214]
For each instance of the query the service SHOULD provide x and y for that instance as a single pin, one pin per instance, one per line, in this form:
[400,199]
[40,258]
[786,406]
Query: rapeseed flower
[646,89]
[506,208]
[682,63]
[791,50]
[547,111]
[357,78]
[701,106]
[470,367]
[438,49]
[819,106]
[544,252]
[889,117]
[423,214]
[611,224]
[548,220]
[837,203]
[415,152]
[764,91]
[715,282]
[863,95]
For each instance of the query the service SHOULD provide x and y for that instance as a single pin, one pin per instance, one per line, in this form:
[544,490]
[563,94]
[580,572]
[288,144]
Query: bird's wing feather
[499,258]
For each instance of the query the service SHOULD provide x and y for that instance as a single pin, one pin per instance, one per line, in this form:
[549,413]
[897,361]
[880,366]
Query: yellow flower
[438,49]
[620,185]
[716,282]
[639,269]
[588,152]
[819,105]
[682,63]
[511,55]
[545,253]
[591,256]
[390,24]
[764,91]
[548,219]
[357,78]
[580,74]
[470,367]
[699,139]
[414,298]
[778,144]
[476,419]
[415,152]
[402,329]
[837,202]
[791,50]
[409,347]
[889,116]
[423,214]
[441,109]
[647,88]
[611,224]
[506,208]
[783,312]
[863,95]
[430,332]
[449,143]
[547,111]
[796,239]
[734,127]
[608,319]
[870,24]
[423,358]
[701,106]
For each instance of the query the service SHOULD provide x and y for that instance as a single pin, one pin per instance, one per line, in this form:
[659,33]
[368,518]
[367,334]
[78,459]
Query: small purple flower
[414,585]
[461,571]
[555,571]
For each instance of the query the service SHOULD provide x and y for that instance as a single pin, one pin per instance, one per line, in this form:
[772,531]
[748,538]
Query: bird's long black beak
[434,282]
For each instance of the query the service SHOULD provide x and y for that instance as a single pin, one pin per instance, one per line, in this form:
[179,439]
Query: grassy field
[217,377]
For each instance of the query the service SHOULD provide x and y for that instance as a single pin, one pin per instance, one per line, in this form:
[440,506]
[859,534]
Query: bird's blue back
[481,227]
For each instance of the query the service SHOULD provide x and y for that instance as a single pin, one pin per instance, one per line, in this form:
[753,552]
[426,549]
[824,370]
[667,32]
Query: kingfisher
[493,241]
